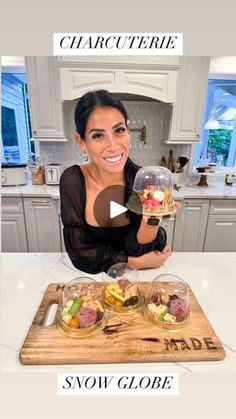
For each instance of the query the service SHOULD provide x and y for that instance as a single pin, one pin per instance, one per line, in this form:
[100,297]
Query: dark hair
[92,100]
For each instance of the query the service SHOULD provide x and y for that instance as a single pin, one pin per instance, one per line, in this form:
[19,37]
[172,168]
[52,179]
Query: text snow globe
[121,291]
[152,192]
[167,304]
[81,311]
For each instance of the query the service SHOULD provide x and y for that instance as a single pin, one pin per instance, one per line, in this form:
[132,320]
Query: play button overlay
[109,207]
[116,209]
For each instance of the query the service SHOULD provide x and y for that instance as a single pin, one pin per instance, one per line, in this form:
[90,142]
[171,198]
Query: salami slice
[124,284]
[87,317]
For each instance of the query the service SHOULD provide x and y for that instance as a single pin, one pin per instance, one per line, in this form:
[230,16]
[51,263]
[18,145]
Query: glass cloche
[167,304]
[152,192]
[121,291]
[81,311]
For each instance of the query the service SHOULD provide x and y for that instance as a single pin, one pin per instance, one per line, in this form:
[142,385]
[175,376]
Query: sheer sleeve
[134,248]
[85,255]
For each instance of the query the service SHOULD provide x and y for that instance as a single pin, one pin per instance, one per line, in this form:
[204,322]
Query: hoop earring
[85,157]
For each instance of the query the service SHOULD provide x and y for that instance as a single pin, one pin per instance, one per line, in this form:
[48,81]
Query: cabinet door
[42,224]
[188,108]
[168,224]
[221,234]
[14,233]
[44,94]
[190,226]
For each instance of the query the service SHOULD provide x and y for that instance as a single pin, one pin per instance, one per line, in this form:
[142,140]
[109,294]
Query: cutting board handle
[47,302]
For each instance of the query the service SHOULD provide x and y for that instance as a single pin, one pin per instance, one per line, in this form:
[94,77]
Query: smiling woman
[102,133]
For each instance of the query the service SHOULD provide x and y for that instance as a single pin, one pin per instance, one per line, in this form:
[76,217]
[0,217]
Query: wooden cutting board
[123,338]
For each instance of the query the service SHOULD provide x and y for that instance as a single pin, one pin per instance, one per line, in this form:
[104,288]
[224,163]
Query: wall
[155,116]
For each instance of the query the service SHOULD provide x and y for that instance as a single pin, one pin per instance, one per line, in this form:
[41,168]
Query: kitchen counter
[212,191]
[25,277]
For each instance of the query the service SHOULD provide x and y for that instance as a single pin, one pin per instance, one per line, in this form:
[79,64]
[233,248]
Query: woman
[103,134]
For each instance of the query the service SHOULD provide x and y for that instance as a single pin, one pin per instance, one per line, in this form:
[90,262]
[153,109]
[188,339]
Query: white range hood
[156,81]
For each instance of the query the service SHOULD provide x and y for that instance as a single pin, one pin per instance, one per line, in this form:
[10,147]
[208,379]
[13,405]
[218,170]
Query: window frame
[19,69]
[214,78]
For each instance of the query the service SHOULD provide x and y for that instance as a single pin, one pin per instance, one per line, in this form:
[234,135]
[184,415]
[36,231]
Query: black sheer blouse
[94,249]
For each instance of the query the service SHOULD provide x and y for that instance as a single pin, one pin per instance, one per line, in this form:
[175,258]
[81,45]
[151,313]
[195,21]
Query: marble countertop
[214,190]
[25,277]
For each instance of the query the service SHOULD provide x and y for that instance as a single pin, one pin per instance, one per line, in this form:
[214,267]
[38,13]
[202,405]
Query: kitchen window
[17,141]
[219,125]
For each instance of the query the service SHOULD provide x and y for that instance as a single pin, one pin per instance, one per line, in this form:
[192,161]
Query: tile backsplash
[154,115]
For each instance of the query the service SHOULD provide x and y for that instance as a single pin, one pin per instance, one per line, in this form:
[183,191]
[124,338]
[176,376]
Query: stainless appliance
[13,174]
[53,172]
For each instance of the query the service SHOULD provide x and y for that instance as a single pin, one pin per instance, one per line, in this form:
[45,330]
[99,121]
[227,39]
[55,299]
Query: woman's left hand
[167,249]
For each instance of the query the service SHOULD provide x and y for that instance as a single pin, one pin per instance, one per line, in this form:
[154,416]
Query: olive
[100,315]
[173,297]
[131,301]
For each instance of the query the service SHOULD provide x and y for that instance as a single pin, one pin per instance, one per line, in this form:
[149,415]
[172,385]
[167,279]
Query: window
[17,141]
[219,125]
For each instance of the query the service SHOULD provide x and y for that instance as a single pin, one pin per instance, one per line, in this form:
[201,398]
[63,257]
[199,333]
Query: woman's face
[107,139]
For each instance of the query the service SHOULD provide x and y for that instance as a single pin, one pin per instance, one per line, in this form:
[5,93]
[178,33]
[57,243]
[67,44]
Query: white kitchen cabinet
[221,228]
[13,225]
[190,226]
[188,108]
[42,225]
[138,79]
[168,223]
[44,95]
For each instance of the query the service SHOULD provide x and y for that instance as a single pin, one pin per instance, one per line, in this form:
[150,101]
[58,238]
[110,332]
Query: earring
[85,157]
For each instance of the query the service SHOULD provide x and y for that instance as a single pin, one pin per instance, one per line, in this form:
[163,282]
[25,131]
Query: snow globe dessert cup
[167,303]
[121,293]
[152,192]
[81,311]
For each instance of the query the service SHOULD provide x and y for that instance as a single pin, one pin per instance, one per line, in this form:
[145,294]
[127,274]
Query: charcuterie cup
[152,192]
[167,303]
[81,311]
[121,291]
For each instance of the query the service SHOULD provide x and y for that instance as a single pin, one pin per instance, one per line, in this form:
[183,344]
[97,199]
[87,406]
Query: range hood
[129,82]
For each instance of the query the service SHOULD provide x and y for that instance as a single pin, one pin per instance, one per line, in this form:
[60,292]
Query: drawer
[12,204]
[223,206]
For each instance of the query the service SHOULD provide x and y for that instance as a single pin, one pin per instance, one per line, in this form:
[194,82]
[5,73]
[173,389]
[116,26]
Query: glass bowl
[167,304]
[121,292]
[81,311]
[152,192]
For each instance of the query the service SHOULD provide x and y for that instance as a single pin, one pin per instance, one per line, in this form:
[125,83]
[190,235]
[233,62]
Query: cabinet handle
[40,202]
[193,203]
[224,224]
[198,135]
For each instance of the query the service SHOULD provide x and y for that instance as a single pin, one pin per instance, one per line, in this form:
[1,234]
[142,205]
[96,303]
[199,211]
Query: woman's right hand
[153,259]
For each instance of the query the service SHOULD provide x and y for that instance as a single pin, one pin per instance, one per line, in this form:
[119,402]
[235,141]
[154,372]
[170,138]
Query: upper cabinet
[180,81]
[44,95]
[188,107]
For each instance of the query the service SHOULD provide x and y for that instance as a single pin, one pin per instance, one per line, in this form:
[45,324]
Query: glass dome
[81,311]
[152,192]
[121,291]
[167,304]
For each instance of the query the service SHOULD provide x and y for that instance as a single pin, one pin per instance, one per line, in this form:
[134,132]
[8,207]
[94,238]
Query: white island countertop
[25,277]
